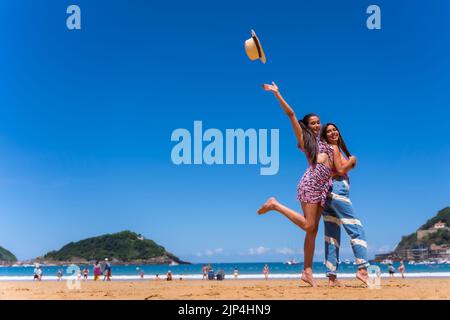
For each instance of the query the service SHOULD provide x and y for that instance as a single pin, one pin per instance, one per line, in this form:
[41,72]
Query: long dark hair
[341,143]
[310,139]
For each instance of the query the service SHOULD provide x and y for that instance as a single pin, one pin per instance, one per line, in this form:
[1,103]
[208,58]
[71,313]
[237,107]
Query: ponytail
[310,140]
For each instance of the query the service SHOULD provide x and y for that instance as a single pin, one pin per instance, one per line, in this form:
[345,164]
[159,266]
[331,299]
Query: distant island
[124,247]
[6,257]
[430,242]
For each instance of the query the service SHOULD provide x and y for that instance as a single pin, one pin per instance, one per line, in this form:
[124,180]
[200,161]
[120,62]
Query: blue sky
[86,118]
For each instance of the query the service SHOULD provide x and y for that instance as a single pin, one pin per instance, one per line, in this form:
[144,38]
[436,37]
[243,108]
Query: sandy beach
[418,288]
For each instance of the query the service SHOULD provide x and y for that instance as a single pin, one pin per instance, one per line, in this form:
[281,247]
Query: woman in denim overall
[339,211]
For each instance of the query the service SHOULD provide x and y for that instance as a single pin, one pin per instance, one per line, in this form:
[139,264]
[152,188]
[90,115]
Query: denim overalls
[339,211]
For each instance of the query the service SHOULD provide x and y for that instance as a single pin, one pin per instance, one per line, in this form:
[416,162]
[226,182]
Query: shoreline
[256,277]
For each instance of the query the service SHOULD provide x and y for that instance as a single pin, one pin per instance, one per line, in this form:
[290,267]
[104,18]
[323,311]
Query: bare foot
[362,276]
[308,278]
[333,282]
[269,205]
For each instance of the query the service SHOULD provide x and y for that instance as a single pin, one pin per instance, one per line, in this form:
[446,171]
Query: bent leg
[307,222]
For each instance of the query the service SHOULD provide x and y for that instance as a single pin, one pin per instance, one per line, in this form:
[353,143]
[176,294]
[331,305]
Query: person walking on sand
[235,272]
[266,271]
[313,188]
[401,269]
[205,272]
[40,273]
[59,274]
[97,270]
[85,273]
[339,211]
[107,271]
[37,273]
[391,270]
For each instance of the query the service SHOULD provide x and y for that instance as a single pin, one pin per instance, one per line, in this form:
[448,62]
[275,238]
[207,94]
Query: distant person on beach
[235,272]
[266,271]
[220,274]
[313,188]
[107,271]
[169,276]
[157,277]
[59,274]
[339,211]
[142,274]
[391,270]
[211,275]
[205,271]
[37,273]
[401,269]
[97,270]
[85,273]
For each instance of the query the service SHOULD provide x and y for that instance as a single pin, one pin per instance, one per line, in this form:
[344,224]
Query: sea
[278,270]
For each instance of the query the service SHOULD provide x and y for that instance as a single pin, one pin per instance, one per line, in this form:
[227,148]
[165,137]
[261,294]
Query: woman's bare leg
[312,214]
[307,222]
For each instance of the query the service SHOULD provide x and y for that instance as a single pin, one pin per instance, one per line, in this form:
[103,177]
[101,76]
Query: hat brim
[262,56]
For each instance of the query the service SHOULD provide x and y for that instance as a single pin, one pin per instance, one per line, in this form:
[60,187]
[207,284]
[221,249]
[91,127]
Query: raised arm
[289,112]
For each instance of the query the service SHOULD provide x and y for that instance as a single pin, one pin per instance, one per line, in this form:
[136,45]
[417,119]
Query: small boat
[346,261]
[386,261]
[292,262]
[173,263]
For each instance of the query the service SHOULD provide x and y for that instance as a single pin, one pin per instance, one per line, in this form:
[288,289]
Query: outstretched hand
[271,87]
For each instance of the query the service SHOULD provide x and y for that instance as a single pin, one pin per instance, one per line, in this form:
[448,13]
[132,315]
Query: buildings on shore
[420,251]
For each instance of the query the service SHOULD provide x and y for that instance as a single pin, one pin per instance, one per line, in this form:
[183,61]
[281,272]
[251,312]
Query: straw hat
[254,49]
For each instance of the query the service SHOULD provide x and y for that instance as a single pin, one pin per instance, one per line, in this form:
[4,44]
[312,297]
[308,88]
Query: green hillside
[125,246]
[442,215]
[441,237]
[7,256]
